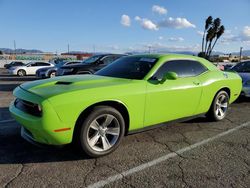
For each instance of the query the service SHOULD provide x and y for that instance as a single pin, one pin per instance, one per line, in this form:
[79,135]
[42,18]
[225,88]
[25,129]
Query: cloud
[137,18]
[245,35]
[125,20]
[147,24]
[159,47]
[176,39]
[177,23]
[160,38]
[159,10]
[113,47]
[228,38]
[200,33]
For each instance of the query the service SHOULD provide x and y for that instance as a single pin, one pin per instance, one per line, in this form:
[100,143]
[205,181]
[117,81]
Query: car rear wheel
[219,107]
[102,131]
[52,74]
[21,72]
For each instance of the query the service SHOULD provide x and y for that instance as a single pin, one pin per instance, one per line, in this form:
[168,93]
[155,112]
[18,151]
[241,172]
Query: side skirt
[165,124]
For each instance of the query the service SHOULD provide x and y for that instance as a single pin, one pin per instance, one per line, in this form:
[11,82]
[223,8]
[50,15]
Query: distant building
[78,55]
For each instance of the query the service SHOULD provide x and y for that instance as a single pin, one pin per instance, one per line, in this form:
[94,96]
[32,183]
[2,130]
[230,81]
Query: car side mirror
[169,76]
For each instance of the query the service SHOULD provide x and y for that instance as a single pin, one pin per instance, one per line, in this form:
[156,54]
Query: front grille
[28,107]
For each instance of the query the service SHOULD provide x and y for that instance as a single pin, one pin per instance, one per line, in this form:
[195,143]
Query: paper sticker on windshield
[151,60]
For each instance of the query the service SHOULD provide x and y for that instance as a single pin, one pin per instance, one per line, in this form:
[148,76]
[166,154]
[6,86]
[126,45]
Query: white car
[29,69]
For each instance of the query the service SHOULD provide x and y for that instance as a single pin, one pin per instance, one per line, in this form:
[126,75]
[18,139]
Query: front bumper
[41,129]
[41,75]
[12,72]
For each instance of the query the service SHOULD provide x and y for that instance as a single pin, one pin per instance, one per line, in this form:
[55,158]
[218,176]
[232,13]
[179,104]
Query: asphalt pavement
[195,153]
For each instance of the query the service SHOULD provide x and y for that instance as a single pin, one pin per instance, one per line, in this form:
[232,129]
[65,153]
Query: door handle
[196,83]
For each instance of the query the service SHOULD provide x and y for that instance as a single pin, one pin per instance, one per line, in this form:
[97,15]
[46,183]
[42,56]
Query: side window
[108,60]
[33,65]
[42,64]
[184,68]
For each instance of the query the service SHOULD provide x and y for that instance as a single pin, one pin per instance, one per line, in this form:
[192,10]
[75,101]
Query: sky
[121,25]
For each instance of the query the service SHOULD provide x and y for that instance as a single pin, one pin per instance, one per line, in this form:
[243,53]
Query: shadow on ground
[15,150]
[8,87]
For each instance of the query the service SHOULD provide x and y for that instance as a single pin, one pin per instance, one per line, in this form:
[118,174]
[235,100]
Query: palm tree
[209,38]
[213,32]
[218,35]
[208,22]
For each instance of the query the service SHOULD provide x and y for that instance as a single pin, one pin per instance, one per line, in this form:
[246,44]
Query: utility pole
[68,48]
[94,49]
[15,47]
[240,52]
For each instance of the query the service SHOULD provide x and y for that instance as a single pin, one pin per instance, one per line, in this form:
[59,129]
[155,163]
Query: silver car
[243,68]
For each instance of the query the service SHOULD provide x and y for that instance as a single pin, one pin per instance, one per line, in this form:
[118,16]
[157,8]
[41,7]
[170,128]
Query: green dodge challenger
[132,94]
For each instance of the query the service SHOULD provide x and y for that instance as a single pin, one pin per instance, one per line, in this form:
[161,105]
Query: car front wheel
[102,131]
[21,73]
[219,107]
[52,74]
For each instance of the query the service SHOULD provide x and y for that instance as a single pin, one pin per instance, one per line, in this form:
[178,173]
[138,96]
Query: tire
[21,72]
[52,74]
[102,131]
[219,106]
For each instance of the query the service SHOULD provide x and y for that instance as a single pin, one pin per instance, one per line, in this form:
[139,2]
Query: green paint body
[147,102]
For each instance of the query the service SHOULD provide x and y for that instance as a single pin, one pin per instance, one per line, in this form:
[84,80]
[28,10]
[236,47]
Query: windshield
[128,67]
[242,67]
[60,64]
[92,59]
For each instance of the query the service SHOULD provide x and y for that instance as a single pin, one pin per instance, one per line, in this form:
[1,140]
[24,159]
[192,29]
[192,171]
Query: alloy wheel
[103,132]
[221,106]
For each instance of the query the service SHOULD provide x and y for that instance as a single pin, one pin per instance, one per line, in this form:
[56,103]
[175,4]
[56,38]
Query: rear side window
[42,64]
[183,68]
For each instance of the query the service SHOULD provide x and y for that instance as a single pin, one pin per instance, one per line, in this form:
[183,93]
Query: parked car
[131,94]
[29,69]
[90,65]
[243,68]
[13,64]
[49,72]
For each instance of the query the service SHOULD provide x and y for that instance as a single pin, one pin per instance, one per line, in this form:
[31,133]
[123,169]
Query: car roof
[164,57]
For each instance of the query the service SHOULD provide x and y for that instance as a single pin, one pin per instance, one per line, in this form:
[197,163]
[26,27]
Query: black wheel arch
[226,89]
[115,104]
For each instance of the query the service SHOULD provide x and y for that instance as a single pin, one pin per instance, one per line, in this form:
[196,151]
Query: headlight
[28,107]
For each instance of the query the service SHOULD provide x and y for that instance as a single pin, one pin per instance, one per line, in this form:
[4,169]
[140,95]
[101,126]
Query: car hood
[244,76]
[60,85]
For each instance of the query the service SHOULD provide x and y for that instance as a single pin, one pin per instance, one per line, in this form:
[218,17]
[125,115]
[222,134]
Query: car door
[41,65]
[174,99]
[31,69]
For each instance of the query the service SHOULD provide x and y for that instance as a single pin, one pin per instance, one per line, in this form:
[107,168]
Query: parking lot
[195,153]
